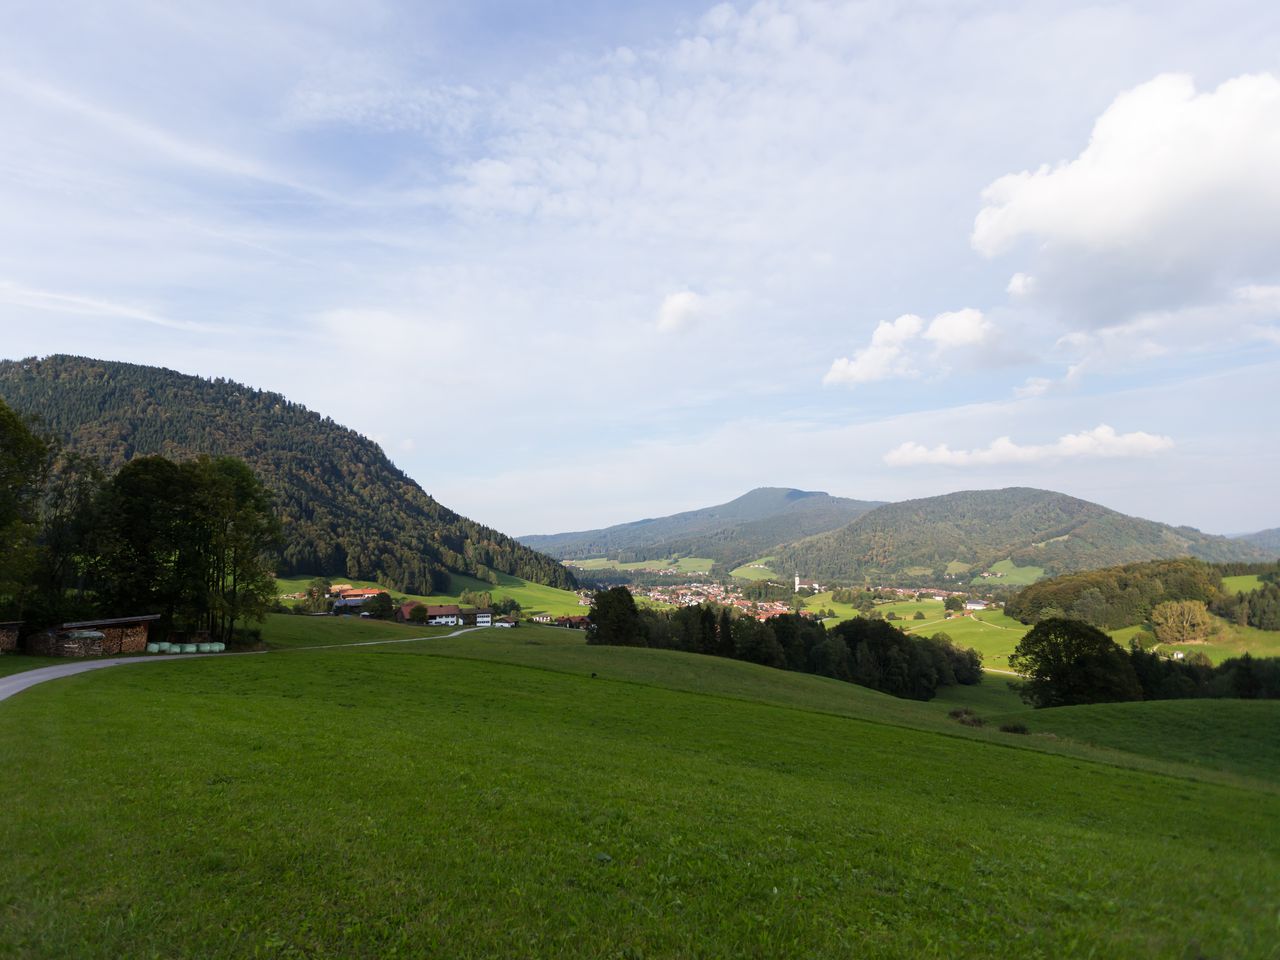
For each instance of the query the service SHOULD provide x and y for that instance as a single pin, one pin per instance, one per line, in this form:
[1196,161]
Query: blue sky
[577,266]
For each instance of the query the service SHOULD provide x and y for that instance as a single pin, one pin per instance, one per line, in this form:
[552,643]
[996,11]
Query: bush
[1014,728]
[919,615]
[967,717]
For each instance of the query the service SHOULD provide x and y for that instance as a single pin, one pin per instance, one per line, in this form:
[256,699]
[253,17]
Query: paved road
[18,682]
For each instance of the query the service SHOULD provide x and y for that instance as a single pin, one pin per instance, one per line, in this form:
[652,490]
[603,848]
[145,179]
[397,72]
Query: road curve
[16,683]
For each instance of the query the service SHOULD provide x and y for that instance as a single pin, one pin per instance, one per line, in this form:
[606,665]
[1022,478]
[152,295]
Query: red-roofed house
[446,615]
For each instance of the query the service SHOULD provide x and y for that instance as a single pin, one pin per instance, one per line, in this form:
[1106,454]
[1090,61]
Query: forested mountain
[345,508]
[980,527]
[1266,540]
[733,532]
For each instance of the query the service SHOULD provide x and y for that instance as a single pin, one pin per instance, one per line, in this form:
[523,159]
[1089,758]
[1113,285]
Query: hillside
[347,510]
[975,529]
[732,533]
[1266,540]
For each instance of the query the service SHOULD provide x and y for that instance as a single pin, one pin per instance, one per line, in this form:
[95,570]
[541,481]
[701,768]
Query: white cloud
[889,354]
[1167,171]
[678,310]
[886,356]
[1101,441]
[1020,285]
[1033,387]
[961,328]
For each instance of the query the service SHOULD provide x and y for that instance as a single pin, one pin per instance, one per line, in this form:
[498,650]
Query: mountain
[733,532]
[1037,528]
[1266,540]
[346,509]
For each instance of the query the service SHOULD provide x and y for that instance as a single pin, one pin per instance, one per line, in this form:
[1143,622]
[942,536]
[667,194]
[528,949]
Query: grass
[955,566]
[755,570]
[534,598]
[11,663]
[377,803]
[1230,735]
[990,632]
[1012,575]
[287,631]
[1246,583]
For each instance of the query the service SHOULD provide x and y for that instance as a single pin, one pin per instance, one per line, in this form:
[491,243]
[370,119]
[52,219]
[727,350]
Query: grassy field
[1242,584]
[1012,575]
[534,598]
[955,566]
[381,802]
[756,570]
[11,663]
[1231,735]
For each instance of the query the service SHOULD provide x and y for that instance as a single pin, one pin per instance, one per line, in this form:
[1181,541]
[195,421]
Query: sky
[574,265]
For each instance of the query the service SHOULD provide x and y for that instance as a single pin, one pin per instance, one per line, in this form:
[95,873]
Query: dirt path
[17,682]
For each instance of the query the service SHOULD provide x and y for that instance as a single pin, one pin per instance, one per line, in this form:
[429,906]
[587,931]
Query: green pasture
[1236,736]
[417,800]
[990,632]
[1012,575]
[534,598]
[11,663]
[1245,583]
[955,566]
[756,570]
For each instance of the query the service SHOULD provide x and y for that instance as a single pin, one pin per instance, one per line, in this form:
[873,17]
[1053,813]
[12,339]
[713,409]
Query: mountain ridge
[346,509]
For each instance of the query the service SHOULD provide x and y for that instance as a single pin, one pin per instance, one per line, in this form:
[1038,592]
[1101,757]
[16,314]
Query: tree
[318,594]
[954,604]
[918,615]
[1181,621]
[1069,662]
[379,606]
[24,463]
[614,619]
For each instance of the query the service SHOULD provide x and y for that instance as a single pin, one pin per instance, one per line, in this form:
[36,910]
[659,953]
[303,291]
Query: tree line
[1068,662]
[194,542]
[870,653]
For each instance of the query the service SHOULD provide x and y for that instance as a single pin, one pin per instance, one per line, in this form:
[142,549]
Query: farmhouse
[975,605]
[573,623]
[445,615]
[404,612]
[807,585]
[92,638]
[506,622]
[477,618]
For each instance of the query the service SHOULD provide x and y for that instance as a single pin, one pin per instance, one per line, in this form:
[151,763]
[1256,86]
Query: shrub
[1014,728]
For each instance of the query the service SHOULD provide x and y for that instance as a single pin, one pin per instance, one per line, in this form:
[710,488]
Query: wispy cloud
[22,296]
[1100,442]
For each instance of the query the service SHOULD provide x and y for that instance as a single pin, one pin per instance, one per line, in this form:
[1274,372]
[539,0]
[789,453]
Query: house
[974,605]
[445,615]
[477,618]
[348,605]
[573,623]
[807,585]
[543,618]
[363,593]
[404,612]
[91,638]
[505,622]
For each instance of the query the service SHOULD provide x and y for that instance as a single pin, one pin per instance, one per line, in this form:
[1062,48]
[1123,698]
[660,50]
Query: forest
[194,542]
[870,653]
[345,509]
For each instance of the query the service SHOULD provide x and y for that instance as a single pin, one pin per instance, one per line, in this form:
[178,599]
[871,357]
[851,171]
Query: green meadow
[1011,575]
[487,796]
[534,598]
[1246,583]
[756,570]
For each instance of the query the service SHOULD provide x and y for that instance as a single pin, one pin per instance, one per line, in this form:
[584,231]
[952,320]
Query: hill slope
[346,509]
[1265,540]
[732,532]
[981,527]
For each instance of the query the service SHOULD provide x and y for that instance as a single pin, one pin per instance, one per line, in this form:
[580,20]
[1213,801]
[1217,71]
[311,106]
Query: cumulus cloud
[1166,169]
[678,310]
[889,354]
[886,356]
[1100,442]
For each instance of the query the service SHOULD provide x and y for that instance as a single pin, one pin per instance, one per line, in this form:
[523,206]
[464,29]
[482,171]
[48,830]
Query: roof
[116,622]
[361,592]
[447,610]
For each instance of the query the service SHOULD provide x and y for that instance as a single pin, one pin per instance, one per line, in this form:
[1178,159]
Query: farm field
[534,598]
[368,802]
